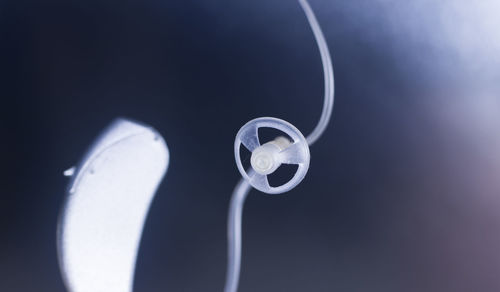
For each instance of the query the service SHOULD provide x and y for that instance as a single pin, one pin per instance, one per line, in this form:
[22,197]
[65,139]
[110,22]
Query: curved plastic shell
[106,206]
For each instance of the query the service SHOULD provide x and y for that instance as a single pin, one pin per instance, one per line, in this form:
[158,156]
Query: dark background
[404,186]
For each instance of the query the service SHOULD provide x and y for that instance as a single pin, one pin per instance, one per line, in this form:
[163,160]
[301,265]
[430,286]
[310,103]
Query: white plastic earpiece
[266,158]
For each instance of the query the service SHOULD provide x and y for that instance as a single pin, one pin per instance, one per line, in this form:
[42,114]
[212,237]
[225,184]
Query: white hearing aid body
[107,202]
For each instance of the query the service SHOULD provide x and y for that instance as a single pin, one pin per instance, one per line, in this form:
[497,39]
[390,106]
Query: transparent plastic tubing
[243,187]
[326,60]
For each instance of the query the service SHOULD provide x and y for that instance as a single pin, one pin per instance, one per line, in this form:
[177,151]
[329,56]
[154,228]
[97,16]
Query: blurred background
[404,186]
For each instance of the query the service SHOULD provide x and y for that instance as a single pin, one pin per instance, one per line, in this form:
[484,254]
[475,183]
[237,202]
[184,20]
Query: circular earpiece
[268,157]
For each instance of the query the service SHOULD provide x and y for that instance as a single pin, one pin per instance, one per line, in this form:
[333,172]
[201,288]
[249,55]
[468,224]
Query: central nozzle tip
[265,157]
[262,162]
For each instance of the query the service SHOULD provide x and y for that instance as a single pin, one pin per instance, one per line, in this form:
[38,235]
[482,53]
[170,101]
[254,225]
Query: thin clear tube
[243,187]
[234,235]
[327,72]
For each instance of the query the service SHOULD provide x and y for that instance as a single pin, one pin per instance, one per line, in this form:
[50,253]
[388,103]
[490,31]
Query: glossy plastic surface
[106,206]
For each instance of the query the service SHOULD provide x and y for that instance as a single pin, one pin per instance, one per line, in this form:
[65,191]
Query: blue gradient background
[404,186]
